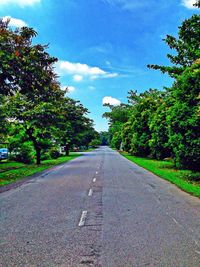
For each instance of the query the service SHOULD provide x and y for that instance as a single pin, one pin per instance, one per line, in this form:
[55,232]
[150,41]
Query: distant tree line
[35,114]
[162,124]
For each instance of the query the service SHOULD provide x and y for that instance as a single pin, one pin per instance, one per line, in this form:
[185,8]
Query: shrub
[24,153]
[45,156]
[54,153]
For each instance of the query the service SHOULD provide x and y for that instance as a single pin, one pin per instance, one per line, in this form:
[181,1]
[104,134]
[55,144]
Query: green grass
[13,171]
[166,170]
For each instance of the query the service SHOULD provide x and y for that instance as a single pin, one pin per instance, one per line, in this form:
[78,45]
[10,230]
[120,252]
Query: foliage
[143,106]
[75,128]
[54,153]
[23,153]
[184,119]
[159,141]
[165,124]
[32,100]
[166,170]
[95,143]
[117,116]
[116,140]
[105,138]
[14,171]
[186,46]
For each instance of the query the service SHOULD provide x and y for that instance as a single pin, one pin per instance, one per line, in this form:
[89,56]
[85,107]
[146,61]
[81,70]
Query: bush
[194,176]
[54,153]
[45,156]
[23,154]
[95,143]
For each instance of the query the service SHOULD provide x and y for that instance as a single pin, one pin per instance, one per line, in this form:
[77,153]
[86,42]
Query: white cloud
[21,3]
[68,89]
[79,71]
[111,101]
[77,78]
[15,22]
[79,68]
[189,3]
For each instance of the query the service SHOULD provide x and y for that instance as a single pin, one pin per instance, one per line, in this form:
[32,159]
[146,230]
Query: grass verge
[13,171]
[166,170]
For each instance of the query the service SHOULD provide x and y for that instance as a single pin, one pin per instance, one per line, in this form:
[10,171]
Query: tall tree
[75,128]
[24,67]
[186,47]
[183,118]
[117,116]
[143,106]
[37,118]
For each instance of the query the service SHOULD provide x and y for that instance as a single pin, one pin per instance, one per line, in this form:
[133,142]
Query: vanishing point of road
[99,210]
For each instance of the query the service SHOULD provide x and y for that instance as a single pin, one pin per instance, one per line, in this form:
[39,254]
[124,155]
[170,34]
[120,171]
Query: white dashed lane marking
[83,218]
[90,192]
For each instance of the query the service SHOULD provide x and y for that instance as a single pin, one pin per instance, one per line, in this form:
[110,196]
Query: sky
[103,46]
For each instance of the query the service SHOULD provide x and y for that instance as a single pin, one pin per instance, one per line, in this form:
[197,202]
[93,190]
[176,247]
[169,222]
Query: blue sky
[103,46]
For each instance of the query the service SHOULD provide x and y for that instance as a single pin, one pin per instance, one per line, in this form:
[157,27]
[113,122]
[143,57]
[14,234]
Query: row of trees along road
[34,111]
[166,123]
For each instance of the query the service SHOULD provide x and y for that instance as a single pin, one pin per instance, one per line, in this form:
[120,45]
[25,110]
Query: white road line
[96,172]
[197,243]
[176,222]
[94,180]
[83,218]
[90,192]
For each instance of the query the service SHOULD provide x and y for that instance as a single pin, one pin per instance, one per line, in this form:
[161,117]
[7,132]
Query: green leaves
[33,101]
[166,124]
[186,46]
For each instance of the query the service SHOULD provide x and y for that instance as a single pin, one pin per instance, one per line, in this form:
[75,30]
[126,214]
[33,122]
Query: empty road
[99,210]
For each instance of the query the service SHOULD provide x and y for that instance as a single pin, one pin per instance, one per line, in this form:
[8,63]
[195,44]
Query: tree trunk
[38,155]
[66,150]
[37,148]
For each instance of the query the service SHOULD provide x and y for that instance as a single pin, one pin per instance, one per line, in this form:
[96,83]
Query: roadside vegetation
[37,117]
[165,124]
[11,171]
[185,179]
[39,122]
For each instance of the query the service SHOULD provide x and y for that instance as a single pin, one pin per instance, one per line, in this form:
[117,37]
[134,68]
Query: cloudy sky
[103,46]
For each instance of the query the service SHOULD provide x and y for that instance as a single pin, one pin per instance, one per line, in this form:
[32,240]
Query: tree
[3,121]
[95,143]
[75,128]
[186,46]
[24,67]
[183,118]
[29,85]
[159,142]
[138,134]
[105,138]
[117,116]
[197,4]
[37,118]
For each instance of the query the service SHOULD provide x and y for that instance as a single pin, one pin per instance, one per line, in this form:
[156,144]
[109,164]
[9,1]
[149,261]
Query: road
[99,210]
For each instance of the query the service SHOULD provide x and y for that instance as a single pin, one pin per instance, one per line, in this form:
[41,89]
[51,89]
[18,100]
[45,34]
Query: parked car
[3,153]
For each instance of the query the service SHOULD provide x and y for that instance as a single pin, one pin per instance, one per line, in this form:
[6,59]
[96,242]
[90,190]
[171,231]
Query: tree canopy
[166,124]
[32,100]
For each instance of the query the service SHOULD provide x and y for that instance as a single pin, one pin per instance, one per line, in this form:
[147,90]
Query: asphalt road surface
[99,210]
